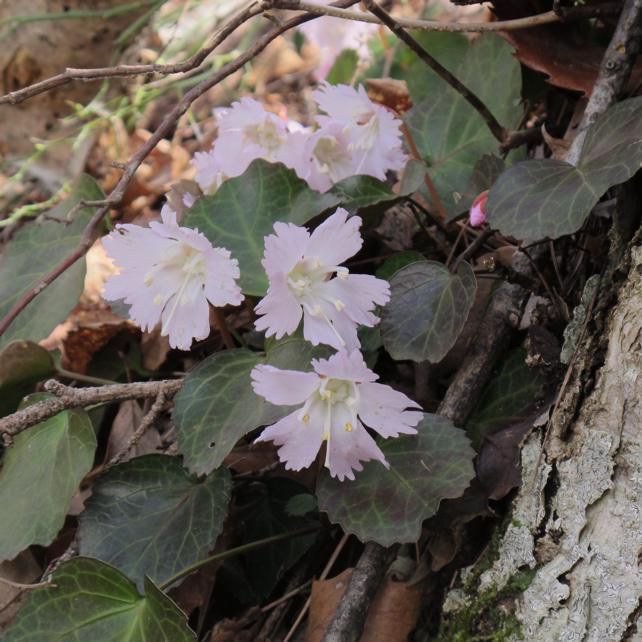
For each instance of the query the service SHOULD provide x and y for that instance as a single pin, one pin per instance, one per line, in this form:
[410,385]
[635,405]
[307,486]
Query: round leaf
[388,506]
[540,198]
[40,473]
[90,601]
[427,310]
[148,517]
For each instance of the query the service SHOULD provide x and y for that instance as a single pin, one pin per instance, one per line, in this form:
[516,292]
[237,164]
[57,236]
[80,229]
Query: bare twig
[347,623]
[119,71]
[67,398]
[614,71]
[163,129]
[493,124]
[433,25]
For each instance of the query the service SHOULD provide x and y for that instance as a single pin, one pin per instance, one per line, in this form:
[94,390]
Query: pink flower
[246,131]
[306,281]
[337,399]
[477,215]
[209,170]
[331,36]
[168,274]
[374,133]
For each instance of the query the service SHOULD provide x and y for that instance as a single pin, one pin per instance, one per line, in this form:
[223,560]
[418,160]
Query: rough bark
[575,530]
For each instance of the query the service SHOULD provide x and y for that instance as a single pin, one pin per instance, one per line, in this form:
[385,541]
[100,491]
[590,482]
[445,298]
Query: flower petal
[386,410]
[185,321]
[283,387]
[347,449]
[300,441]
[281,312]
[336,239]
[349,366]
[285,248]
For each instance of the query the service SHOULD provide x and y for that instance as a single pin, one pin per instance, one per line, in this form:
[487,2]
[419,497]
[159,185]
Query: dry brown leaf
[390,93]
[555,54]
[127,419]
[392,616]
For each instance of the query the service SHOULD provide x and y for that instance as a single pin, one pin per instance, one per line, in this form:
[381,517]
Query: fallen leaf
[125,423]
[392,616]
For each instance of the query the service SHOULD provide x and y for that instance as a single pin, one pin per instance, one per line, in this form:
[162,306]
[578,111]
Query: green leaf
[243,211]
[344,67]
[216,405]
[550,198]
[22,364]
[612,150]
[510,396]
[450,135]
[34,250]
[540,198]
[397,261]
[299,505]
[40,473]
[388,506]
[148,517]
[359,192]
[427,310]
[90,601]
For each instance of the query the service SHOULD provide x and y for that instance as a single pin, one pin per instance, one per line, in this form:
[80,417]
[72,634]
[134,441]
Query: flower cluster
[170,275]
[354,136]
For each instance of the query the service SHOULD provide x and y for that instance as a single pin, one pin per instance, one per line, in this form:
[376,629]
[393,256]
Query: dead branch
[67,397]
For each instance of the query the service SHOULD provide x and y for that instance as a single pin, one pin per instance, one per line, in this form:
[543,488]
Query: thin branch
[493,124]
[426,25]
[120,71]
[165,127]
[347,623]
[67,398]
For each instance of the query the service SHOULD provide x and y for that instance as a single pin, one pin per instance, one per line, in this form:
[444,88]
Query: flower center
[331,158]
[265,134]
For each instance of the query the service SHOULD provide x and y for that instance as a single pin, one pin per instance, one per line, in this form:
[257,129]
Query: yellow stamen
[305,419]
[348,427]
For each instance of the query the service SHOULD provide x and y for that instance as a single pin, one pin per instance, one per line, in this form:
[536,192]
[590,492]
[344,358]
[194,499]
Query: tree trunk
[567,565]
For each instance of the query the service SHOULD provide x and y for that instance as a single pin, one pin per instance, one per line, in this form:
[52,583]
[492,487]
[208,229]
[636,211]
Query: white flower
[168,274]
[374,133]
[333,35]
[248,131]
[209,170]
[337,399]
[301,269]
